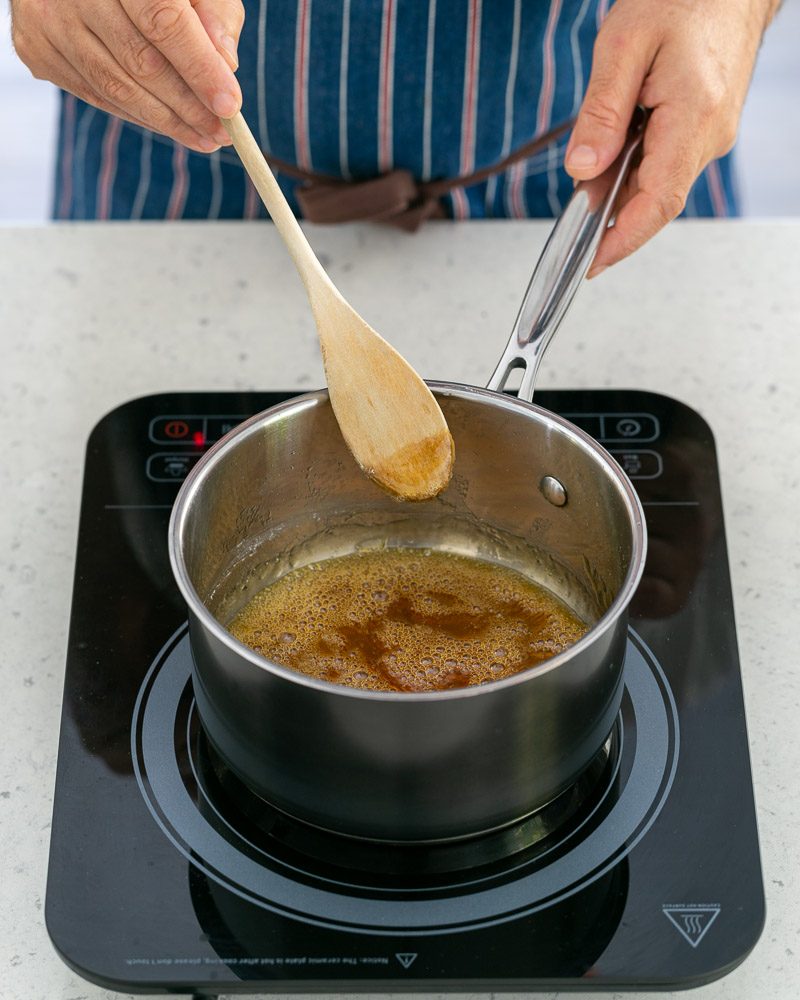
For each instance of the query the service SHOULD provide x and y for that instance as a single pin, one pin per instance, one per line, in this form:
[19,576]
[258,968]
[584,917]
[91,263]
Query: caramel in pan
[406,620]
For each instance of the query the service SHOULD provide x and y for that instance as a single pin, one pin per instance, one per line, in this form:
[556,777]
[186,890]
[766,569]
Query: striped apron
[353,89]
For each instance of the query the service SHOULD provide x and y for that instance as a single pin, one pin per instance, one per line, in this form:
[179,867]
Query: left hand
[690,61]
[166,65]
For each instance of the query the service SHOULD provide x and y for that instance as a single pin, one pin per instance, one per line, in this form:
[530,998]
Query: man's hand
[165,64]
[690,61]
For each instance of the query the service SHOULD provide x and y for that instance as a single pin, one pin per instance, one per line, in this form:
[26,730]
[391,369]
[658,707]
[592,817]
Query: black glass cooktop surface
[167,876]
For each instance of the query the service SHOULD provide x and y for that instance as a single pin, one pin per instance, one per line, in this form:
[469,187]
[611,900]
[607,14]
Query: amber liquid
[406,620]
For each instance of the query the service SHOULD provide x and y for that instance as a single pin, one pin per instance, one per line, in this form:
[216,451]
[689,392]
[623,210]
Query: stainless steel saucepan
[529,490]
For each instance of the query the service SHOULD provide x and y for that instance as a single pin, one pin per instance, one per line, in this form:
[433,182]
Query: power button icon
[173,429]
[176,429]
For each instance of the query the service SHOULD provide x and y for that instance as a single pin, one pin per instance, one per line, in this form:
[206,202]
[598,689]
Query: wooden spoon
[388,416]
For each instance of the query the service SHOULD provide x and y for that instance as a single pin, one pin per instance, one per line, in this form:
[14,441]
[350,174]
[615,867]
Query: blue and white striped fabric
[354,88]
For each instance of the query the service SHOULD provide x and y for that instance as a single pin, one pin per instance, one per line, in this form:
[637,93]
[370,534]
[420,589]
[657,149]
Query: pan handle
[566,257]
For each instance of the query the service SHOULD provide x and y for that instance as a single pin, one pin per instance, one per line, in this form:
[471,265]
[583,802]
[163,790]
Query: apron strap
[395,198]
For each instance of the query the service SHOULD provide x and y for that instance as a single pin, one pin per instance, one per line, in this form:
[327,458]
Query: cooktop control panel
[181,438]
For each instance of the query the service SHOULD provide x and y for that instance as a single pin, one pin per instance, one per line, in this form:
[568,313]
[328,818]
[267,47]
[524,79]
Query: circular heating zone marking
[465,901]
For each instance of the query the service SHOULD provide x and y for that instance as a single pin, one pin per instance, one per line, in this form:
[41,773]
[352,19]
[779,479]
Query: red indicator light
[198,438]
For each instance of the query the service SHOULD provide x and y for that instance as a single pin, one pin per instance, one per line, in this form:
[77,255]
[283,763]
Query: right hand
[167,65]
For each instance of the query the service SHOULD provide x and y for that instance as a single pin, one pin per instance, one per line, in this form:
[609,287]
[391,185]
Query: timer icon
[628,427]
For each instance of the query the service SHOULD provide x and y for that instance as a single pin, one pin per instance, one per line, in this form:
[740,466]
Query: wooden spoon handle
[274,200]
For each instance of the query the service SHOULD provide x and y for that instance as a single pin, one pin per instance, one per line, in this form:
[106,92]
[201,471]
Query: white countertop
[93,315]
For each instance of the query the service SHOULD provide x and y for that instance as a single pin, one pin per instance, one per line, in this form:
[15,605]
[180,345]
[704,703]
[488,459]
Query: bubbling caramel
[406,619]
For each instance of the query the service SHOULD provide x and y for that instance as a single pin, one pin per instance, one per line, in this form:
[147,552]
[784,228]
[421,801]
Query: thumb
[223,20]
[618,71]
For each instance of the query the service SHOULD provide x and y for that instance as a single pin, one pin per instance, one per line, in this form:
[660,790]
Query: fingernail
[225,105]
[594,271]
[229,45]
[208,145]
[582,158]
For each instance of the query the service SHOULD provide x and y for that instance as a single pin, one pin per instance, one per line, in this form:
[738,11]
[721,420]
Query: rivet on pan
[553,491]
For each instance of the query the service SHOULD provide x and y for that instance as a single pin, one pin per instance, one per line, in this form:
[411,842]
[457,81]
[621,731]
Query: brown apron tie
[395,198]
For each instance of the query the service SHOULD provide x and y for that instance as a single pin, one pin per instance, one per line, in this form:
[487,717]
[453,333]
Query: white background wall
[769,141]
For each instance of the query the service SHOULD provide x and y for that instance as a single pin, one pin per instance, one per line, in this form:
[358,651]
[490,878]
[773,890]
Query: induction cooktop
[167,875]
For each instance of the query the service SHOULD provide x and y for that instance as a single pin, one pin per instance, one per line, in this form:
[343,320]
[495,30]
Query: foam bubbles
[406,620]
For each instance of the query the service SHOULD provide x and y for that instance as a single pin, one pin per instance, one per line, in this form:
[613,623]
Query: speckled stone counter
[91,316]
